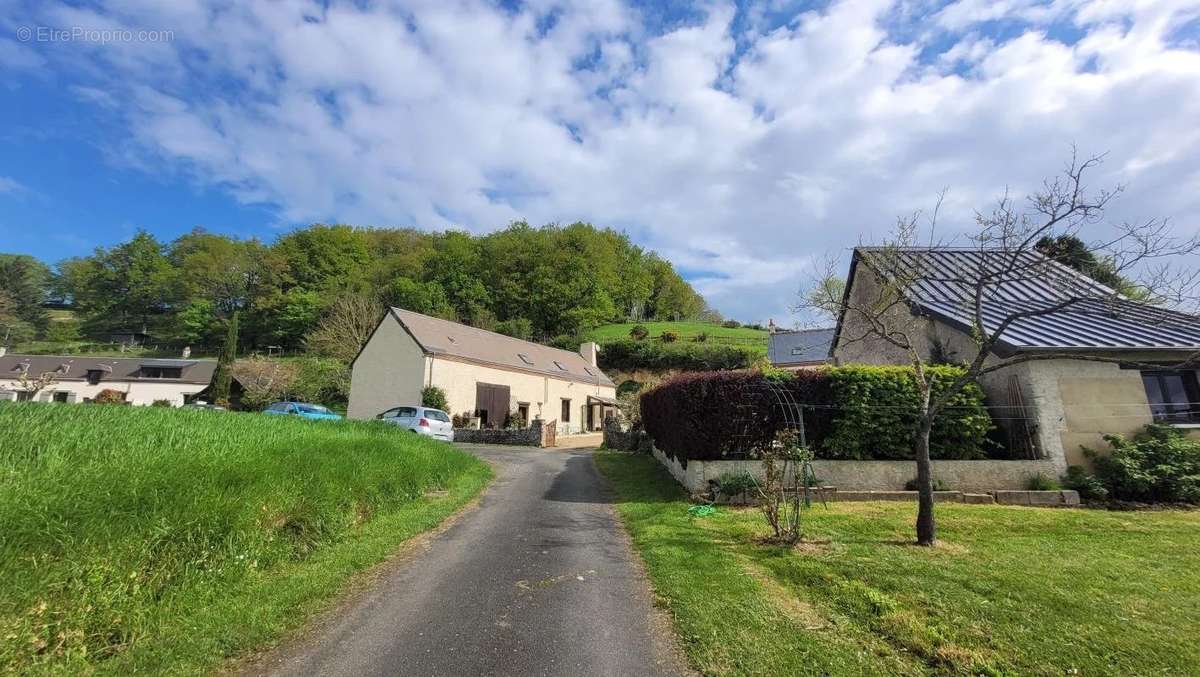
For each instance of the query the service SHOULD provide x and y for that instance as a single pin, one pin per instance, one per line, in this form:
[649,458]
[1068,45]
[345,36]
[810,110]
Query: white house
[79,378]
[495,377]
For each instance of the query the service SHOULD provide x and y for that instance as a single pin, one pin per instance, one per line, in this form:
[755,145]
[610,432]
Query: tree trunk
[926,529]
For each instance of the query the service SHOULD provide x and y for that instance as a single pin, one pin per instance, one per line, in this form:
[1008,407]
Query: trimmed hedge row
[632,355]
[855,412]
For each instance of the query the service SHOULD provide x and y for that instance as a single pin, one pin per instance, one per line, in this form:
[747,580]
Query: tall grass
[122,529]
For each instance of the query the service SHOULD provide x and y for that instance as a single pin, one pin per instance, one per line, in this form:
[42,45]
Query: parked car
[303,410]
[421,420]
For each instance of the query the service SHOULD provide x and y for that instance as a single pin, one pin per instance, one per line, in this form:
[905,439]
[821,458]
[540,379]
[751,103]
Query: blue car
[303,410]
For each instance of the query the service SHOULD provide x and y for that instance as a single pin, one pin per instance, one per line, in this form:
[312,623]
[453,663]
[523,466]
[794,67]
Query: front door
[491,402]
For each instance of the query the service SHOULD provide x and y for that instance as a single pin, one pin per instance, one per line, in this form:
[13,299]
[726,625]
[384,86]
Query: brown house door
[491,402]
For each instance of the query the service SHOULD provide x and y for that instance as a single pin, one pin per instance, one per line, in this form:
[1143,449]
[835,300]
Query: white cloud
[11,186]
[742,148]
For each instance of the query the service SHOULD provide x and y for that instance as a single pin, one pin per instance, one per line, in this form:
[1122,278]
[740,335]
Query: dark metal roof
[804,346]
[1096,317]
[75,368]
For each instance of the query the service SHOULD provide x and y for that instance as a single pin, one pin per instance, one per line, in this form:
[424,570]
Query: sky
[745,142]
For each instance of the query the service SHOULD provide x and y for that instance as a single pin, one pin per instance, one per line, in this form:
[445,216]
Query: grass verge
[1009,591]
[164,541]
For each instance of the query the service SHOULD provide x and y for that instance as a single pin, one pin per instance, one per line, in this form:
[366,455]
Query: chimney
[589,351]
[187,352]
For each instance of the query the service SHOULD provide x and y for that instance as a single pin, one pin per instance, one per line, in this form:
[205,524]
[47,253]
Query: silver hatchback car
[434,423]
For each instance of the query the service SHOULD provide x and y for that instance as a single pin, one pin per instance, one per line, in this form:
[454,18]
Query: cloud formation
[741,142]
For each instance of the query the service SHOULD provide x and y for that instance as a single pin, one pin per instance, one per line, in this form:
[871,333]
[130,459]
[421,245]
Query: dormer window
[525,358]
[162,372]
[94,376]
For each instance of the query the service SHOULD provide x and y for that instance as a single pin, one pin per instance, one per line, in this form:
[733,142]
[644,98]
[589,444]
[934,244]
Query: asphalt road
[538,579]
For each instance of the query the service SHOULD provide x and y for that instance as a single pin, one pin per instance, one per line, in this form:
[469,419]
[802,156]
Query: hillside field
[163,541]
[741,336]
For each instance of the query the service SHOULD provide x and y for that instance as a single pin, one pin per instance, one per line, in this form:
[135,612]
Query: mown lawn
[137,540]
[750,338]
[1009,591]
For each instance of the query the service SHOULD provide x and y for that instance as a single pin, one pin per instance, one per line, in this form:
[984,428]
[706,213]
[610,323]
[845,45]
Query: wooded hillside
[534,283]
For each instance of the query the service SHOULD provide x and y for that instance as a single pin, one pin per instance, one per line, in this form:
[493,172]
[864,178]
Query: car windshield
[312,409]
[436,415]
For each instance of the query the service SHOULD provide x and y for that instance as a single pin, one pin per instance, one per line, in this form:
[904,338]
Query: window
[406,412]
[24,396]
[162,372]
[94,376]
[566,411]
[436,415]
[523,413]
[1174,395]
[525,358]
[62,397]
[388,414]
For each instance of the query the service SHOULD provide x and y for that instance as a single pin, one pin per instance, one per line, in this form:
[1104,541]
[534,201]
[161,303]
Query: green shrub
[668,337]
[1160,464]
[876,415]
[639,332]
[434,397]
[1040,482]
[731,324]
[938,485]
[161,403]
[701,337]
[1089,486]
[735,483]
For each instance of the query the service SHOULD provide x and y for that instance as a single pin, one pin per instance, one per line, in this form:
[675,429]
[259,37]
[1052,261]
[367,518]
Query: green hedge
[633,355]
[875,415]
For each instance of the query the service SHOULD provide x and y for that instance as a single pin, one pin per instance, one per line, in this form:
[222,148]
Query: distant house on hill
[495,377]
[800,349]
[79,379]
[1055,406]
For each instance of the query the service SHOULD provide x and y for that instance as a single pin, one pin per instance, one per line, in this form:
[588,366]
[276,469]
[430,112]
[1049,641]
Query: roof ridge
[109,357]
[488,331]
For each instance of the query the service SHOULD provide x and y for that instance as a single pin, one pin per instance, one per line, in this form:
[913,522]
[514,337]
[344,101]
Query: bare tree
[29,385]
[905,283]
[264,380]
[345,327]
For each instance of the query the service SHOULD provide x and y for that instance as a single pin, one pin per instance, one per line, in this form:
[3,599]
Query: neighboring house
[1054,407]
[79,379]
[800,349]
[484,374]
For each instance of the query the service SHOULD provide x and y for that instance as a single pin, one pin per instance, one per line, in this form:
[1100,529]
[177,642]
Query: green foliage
[668,337]
[161,403]
[127,287]
[1089,486]
[222,377]
[518,327]
[427,298]
[197,323]
[639,332]
[434,397]
[1074,252]
[64,331]
[938,485]
[140,540]
[1160,464]
[630,355]
[1040,482]
[876,414]
[702,337]
[731,324]
[321,380]
[24,281]
[735,483]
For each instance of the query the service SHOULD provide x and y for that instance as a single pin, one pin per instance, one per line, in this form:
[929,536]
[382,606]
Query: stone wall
[965,476]
[521,437]
[622,440]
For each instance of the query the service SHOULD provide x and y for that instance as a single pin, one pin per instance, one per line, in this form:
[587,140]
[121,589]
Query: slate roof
[804,346]
[443,337]
[75,368]
[1096,319]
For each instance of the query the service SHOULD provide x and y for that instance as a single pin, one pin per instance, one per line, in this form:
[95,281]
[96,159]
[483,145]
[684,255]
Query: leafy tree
[1067,248]
[13,329]
[124,287]
[518,327]
[325,258]
[427,298]
[222,378]
[24,280]
[434,397]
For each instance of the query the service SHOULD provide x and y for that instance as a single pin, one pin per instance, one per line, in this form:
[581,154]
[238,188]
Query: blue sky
[742,141]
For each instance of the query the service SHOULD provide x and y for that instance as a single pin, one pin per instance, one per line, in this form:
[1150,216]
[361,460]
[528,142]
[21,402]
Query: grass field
[1009,591]
[163,541]
[742,336]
